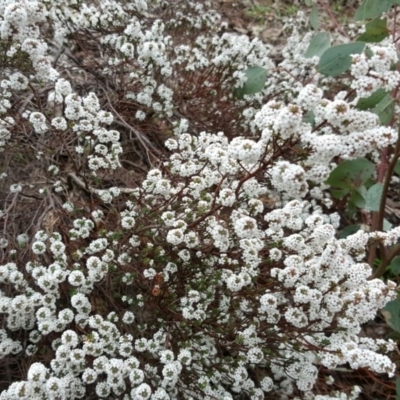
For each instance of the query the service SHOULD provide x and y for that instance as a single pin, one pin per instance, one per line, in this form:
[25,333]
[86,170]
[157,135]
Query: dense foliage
[214,266]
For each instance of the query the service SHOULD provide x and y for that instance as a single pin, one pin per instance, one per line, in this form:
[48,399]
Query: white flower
[175,236]
[81,303]
[296,317]
[63,87]
[140,115]
[103,389]
[170,371]
[38,247]
[142,392]
[141,344]
[22,239]
[59,123]
[76,278]
[70,338]
[128,317]
[66,316]
[136,376]
[255,355]
[89,376]
[128,222]
[16,188]
[184,255]
[235,282]
[166,356]
[226,197]
[245,150]
[38,373]
[246,227]
[57,248]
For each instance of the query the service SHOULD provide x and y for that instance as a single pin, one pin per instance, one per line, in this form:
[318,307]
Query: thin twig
[145,142]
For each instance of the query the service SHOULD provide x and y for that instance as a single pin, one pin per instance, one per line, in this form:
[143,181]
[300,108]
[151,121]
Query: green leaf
[351,210]
[375,31]
[357,199]
[349,230]
[397,167]
[309,3]
[371,101]
[336,60]
[255,81]
[387,226]
[362,191]
[314,18]
[398,388]
[372,8]
[395,266]
[351,174]
[309,118]
[339,193]
[373,198]
[391,312]
[318,44]
[385,109]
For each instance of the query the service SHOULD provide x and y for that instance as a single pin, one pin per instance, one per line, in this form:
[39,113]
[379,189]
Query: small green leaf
[375,31]
[371,101]
[309,3]
[351,174]
[318,44]
[314,18]
[255,81]
[385,109]
[398,388]
[309,118]
[397,167]
[373,198]
[349,230]
[351,210]
[395,266]
[362,191]
[336,60]
[339,193]
[357,199]
[373,8]
[387,226]
[391,312]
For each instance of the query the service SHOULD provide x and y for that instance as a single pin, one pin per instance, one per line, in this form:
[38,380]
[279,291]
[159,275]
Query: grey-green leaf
[371,101]
[357,199]
[373,8]
[395,266]
[397,167]
[336,60]
[314,18]
[373,197]
[375,31]
[349,230]
[387,226]
[385,109]
[351,174]
[318,44]
[391,312]
[255,80]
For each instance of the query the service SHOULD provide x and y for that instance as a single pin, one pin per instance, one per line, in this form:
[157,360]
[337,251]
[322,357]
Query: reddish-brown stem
[377,222]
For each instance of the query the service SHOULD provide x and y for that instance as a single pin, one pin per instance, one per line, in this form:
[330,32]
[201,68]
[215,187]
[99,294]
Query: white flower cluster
[375,71]
[349,133]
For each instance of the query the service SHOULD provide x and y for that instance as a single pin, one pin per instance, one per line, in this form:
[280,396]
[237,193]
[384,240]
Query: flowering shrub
[217,271]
